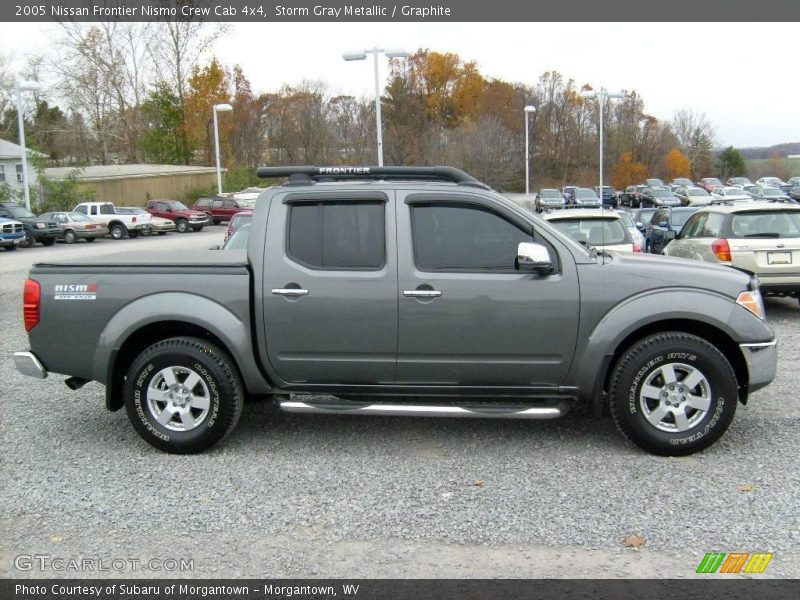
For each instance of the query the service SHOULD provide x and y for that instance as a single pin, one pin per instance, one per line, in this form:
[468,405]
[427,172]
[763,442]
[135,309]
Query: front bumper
[11,241]
[28,364]
[762,362]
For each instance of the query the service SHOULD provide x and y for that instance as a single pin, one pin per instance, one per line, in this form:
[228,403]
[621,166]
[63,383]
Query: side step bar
[487,411]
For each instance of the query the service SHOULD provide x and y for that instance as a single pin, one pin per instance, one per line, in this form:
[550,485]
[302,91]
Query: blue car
[664,225]
[11,233]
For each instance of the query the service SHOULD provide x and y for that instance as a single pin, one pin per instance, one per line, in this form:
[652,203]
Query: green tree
[164,140]
[730,163]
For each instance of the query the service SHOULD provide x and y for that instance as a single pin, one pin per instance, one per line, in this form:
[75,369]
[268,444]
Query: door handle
[422,293]
[289,292]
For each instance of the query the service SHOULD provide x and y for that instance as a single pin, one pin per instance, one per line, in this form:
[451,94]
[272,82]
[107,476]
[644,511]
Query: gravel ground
[303,495]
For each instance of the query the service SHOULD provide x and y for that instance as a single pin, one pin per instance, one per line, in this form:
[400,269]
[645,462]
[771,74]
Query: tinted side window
[337,235]
[81,209]
[162,206]
[451,237]
[228,204]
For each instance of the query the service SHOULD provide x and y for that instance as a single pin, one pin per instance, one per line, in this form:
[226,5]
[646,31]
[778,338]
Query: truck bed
[183,258]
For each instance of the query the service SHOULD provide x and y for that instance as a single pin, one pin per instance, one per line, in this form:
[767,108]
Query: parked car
[76,226]
[794,193]
[602,229]
[239,238]
[740,181]
[184,218]
[693,196]
[12,233]
[119,225]
[221,208]
[39,230]
[627,219]
[608,197]
[585,197]
[237,221]
[733,193]
[774,182]
[654,182]
[680,182]
[658,197]
[663,225]
[631,196]
[158,225]
[641,217]
[709,183]
[759,238]
[769,194]
[548,198]
[793,181]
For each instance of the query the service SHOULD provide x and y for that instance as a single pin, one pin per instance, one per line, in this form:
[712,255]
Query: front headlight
[40,225]
[751,300]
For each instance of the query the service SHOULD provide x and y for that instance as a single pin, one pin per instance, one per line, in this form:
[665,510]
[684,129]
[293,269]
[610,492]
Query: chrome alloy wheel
[675,397]
[178,398]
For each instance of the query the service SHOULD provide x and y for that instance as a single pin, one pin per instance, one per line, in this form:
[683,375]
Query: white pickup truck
[119,225]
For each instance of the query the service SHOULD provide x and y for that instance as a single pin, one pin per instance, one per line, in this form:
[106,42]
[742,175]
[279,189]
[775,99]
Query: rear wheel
[673,394]
[90,239]
[118,231]
[182,225]
[70,236]
[183,395]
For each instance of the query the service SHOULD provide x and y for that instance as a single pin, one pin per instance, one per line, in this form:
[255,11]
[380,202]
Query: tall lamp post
[602,98]
[24,86]
[390,53]
[219,108]
[528,110]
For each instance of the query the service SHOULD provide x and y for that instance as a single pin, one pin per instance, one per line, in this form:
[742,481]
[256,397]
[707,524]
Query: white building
[11,165]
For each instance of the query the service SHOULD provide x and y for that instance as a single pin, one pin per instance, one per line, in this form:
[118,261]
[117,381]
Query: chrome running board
[483,411]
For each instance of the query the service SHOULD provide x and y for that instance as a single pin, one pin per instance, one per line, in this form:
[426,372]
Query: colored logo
[734,562]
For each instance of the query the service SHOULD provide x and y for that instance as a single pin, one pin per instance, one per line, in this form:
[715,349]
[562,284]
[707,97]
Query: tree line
[143,92]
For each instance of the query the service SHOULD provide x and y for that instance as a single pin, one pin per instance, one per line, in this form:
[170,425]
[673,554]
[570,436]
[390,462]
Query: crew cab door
[330,288]
[467,317]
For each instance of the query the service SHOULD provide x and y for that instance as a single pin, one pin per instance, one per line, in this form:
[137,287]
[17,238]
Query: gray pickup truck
[410,291]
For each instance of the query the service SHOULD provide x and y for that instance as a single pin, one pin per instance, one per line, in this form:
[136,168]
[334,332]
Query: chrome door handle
[290,292]
[422,293]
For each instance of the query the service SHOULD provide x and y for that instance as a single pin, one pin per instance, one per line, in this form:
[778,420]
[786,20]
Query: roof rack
[305,174]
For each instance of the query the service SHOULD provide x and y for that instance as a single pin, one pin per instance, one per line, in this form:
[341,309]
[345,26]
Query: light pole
[528,110]
[24,86]
[218,108]
[390,53]
[602,97]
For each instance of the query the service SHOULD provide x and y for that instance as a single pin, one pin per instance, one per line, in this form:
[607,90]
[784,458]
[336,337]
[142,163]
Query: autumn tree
[208,86]
[676,164]
[627,171]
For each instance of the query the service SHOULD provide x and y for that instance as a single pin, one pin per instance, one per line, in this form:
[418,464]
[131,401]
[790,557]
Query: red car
[237,220]
[709,183]
[185,218]
[221,209]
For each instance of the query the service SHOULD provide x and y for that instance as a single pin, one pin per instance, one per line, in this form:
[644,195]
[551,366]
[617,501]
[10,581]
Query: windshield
[175,205]
[594,232]
[772,180]
[585,193]
[645,215]
[627,219]
[732,192]
[79,217]
[683,181]
[239,239]
[659,193]
[550,194]
[20,213]
[771,192]
[712,181]
[767,223]
[655,183]
[240,219]
[697,192]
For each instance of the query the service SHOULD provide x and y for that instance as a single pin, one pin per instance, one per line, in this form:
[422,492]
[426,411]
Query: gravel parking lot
[303,495]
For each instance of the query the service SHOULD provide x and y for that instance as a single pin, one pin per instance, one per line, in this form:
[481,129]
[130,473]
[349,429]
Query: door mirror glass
[639,225]
[670,235]
[533,257]
[663,224]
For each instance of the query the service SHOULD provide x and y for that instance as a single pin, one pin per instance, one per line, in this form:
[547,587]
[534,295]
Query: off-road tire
[218,375]
[647,356]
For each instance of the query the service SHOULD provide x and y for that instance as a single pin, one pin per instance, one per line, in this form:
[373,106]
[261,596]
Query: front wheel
[183,395]
[70,237]
[673,394]
[28,241]
[182,225]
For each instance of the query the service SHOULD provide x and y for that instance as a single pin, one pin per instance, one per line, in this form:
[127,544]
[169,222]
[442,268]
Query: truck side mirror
[663,224]
[670,235]
[533,257]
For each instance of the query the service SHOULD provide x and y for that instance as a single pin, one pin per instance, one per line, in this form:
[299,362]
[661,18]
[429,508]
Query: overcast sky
[743,76]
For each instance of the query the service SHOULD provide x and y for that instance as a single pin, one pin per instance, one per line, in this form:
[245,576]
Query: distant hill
[781,150]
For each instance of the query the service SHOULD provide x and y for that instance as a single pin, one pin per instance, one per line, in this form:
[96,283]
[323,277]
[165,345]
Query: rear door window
[337,235]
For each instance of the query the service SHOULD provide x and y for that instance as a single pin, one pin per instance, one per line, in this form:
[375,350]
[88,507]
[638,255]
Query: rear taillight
[721,249]
[637,248]
[31,301]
